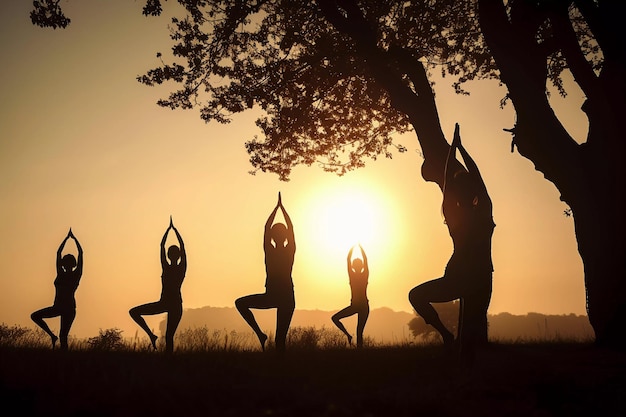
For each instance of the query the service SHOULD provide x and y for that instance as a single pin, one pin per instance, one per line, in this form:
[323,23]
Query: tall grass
[197,339]
[23,337]
[203,339]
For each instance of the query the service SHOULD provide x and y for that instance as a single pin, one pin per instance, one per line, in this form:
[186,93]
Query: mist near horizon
[389,327]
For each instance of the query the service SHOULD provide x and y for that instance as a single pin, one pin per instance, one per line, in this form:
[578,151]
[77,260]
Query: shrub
[18,336]
[109,339]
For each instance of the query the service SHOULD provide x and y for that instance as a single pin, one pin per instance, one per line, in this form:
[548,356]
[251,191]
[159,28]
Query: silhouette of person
[171,301]
[69,272]
[279,258]
[467,211]
[358,271]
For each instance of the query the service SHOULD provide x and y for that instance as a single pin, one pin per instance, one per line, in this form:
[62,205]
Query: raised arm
[472,169]
[366,269]
[60,251]
[291,238]
[267,239]
[451,162]
[79,261]
[183,253]
[163,256]
[350,259]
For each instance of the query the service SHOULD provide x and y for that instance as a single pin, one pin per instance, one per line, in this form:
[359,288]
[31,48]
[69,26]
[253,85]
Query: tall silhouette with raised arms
[171,301]
[69,272]
[280,247]
[358,272]
[467,211]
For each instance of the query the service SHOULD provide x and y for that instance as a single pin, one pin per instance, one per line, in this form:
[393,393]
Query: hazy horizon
[384,326]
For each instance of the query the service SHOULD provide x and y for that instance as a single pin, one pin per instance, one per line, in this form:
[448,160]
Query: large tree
[532,42]
[337,79]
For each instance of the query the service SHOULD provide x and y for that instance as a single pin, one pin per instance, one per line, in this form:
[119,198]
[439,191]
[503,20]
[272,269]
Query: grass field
[508,379]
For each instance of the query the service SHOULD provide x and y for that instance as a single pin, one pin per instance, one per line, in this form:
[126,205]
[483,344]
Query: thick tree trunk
[597,204]
[589,176]
[602,248]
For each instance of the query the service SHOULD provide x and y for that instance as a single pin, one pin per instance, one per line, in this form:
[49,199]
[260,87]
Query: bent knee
[416,296]
[240,303]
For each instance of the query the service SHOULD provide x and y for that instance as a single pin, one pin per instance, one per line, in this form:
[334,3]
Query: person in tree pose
[358,271]
[171,301]
[69,272]
[280,247]
[467,211]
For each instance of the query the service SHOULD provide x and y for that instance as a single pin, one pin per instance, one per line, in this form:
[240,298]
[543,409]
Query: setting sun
[334,217]
[346,219]
[343,216]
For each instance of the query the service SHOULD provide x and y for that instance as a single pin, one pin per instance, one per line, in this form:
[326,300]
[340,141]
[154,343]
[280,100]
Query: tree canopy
[322,99]
[334,78]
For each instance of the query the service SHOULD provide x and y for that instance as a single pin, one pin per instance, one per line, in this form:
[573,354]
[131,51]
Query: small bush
[107,340]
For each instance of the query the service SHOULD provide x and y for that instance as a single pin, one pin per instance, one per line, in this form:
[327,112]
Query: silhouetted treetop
[308,66]
[152,8]
[322,100]
[48,13]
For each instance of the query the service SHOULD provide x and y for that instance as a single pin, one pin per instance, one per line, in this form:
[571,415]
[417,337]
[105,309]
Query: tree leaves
[325,99]
[152,8]
[48,13]
[322,103]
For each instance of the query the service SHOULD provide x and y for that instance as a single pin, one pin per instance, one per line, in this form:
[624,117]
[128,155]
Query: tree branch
[419,105]
[576,62]
[539,135]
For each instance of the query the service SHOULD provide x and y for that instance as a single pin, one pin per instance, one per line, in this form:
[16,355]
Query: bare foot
[153,339]
[54,340]
[262,339]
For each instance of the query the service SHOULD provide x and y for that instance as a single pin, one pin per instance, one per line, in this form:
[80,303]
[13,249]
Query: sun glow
[346,220]
[332,217]
[341,217]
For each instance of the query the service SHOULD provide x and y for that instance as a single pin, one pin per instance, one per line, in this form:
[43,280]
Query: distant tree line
[510,327]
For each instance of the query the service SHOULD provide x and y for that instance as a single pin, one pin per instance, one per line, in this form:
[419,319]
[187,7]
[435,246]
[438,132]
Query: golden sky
[83,145]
